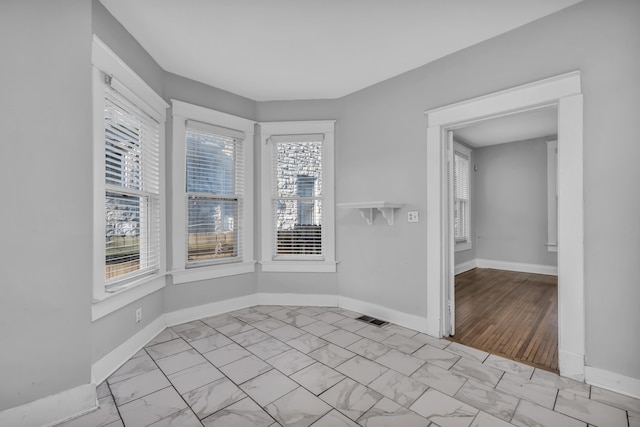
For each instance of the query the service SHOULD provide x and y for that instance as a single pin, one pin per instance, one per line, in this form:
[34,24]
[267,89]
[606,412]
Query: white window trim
[464,245]
[328,263]
[104,60]
[182,112]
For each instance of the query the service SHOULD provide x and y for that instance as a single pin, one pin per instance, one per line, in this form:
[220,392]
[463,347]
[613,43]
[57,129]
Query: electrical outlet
[138,314]
[412,216]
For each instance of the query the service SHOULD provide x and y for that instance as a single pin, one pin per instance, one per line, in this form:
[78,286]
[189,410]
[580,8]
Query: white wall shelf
[367,209]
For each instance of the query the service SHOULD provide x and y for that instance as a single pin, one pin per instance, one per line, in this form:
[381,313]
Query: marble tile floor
[317,366]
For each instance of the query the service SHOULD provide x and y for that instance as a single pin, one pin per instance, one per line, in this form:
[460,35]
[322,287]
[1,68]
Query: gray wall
[381,155]
[511,203]
[46,187]
[114,329]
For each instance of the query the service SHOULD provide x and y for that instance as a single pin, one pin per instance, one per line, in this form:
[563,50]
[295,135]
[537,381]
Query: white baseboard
[612,381]
[317,300]
[211,309]
[571,365]
[411,321]
[465,266]
[52,410]
[104,367]
[551,270]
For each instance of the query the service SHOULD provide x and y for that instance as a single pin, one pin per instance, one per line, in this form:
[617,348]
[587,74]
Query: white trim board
[411,321]
[466,266]
[551,270]
[611,381]
[104,367]
[211,309]
[53,409]
[315,300]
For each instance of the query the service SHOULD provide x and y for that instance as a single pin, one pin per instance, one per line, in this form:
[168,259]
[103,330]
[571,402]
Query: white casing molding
[563,91]
[551,270]
[104,367]
[52,410]
[612,381]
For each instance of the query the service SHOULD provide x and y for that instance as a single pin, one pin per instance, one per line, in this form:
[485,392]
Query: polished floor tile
[388,413]
[318,366]
[351,398]
[267,387]
[443,410]
[398,387]
[362,370]
[245,413]
[298,408]
[590,411]
[529,414]
[317,377]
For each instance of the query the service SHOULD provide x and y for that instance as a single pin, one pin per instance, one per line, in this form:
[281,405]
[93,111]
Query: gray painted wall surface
[511,203]
[114,329]
[381,155]
[45,117]
[183,89]
[110,331]
[114,35]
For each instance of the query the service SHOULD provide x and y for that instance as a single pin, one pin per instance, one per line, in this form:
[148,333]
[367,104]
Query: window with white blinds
[215,188]
[132,187]
[461,196]
[297,195]
[298,203]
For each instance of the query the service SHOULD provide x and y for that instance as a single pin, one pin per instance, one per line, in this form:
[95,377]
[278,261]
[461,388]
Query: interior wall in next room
[511,203]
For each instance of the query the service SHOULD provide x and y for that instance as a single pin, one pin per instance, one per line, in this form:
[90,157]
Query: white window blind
[215,187]
[132,184]
[298,196]
[461,197]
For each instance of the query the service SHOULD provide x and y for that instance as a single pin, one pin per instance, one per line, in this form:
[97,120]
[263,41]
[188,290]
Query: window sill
[463,246]
[299,266]
[112,301]
[195,274]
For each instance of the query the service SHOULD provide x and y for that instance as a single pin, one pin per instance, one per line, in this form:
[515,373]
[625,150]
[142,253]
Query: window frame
[312,263]
[466,244]
[106,62]
[182,270]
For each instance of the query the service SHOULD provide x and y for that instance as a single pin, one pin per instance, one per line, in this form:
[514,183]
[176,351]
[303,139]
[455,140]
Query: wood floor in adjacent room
[511,314]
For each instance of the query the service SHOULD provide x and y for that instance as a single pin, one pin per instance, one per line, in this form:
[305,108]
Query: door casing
[563,92]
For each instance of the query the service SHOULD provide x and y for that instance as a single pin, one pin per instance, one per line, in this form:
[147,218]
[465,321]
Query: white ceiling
[515,127]
[313,49]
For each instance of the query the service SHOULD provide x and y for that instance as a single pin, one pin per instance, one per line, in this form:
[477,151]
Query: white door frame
[563,91]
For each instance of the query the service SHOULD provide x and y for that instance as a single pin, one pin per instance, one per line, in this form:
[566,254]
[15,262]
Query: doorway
[563,91]
[505,292]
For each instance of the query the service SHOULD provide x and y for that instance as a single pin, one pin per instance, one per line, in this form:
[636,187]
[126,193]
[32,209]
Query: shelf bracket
[367,214]
[367,210]
[387,213]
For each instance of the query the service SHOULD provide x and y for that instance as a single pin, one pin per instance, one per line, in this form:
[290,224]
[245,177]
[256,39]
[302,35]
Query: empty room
[259,213]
